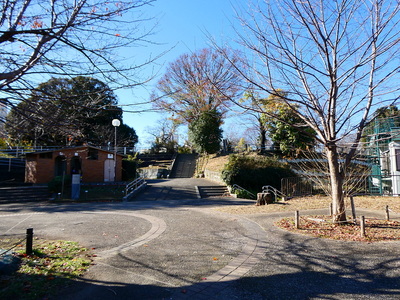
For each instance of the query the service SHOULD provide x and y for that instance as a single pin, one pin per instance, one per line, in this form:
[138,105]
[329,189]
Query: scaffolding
[380,134]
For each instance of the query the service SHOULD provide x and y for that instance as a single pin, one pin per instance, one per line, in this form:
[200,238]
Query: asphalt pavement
[169,244]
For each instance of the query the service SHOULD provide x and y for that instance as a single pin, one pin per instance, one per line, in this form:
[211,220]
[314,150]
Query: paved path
[184,249]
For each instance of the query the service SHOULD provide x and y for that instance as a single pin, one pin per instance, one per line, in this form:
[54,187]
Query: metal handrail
[172,164]
[268,188]
[134,185]
[238,187]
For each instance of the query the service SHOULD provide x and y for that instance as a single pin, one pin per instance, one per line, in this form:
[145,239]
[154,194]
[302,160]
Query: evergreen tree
[205,133]
[69,112]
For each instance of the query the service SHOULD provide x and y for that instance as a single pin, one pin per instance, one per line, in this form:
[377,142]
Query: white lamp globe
[116,122]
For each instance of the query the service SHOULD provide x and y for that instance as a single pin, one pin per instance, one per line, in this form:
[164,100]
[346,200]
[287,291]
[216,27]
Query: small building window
[46,155]
[93,154]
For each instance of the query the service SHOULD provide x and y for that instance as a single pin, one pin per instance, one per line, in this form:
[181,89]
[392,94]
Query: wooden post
[330,210]
[296,219]
[362,226]
[353,209]
[387,213]
[29,241]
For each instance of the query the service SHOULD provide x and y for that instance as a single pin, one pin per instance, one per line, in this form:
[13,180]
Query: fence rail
[21,151]
[13,162]
[378,185]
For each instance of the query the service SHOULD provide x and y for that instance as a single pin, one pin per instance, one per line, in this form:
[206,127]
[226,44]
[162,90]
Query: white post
[394,148]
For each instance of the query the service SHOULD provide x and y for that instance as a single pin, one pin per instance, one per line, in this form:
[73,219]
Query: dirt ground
[216,163]
[321,225]
[317,202]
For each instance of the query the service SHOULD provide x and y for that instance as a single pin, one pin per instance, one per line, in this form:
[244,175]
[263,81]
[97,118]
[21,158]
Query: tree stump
[260,199]
[264,198]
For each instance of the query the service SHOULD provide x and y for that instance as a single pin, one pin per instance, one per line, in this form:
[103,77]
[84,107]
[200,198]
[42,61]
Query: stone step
[184,166]
[24,193]
[213,191]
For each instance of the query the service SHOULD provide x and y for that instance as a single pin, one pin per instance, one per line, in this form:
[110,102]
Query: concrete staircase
[184,166]
[213,191]
[24,194]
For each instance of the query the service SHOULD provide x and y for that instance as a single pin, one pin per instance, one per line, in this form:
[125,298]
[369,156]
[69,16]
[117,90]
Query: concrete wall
[153,173]
[214,176]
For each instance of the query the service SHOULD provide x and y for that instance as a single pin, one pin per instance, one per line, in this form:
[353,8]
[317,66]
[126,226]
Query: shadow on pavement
[159,194]
[344,282]
[295,268]
[296,280]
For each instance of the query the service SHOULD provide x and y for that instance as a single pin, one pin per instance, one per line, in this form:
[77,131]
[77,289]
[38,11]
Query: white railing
[276,192]
[239,188]
[134,185]
[172,164]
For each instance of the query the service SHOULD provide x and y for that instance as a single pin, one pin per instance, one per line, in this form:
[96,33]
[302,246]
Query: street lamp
[115,123]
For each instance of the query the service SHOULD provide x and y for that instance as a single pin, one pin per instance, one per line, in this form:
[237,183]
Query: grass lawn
[52,266]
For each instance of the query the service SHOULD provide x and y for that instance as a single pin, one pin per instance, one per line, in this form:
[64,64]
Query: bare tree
[336,59]
[40,39]
[164,136]
[196,83]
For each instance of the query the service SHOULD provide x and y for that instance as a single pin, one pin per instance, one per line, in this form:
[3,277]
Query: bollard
[29,241]
[362,226]
[387,213]
[296,219]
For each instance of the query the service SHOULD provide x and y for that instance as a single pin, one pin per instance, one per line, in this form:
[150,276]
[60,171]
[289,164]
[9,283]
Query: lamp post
[115,123]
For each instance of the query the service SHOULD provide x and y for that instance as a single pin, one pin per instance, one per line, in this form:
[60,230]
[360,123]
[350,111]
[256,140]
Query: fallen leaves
[51,265]
[376,230]
[315,202]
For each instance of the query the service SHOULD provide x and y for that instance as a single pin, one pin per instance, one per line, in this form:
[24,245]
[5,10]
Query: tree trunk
[336,181]
[263,135]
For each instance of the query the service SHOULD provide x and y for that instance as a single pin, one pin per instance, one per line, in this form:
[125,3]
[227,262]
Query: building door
[60,167]
[76,165]
[109,170]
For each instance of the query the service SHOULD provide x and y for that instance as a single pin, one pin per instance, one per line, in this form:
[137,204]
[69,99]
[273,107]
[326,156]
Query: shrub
[129,169]
[254,172]
[244,194]
[184,150]
[55,186]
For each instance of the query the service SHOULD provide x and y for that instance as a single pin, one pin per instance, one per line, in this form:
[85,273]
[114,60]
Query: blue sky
[183,25]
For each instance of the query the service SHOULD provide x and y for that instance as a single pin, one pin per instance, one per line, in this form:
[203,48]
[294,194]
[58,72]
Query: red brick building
[94,165]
